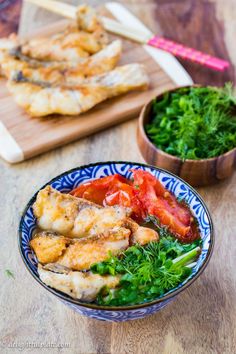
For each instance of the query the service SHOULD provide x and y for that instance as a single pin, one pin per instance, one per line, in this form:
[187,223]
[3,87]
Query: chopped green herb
[9,273]
[147,271]
[194,123]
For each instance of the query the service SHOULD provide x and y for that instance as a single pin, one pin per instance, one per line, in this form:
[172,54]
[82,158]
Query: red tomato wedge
[96,190]
[157,201]
[125,196]
[145,195]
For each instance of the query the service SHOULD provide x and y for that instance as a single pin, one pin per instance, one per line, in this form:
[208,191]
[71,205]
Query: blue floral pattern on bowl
[73,178]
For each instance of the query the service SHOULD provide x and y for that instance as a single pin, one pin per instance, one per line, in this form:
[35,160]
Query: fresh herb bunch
[194,123]
[147,271]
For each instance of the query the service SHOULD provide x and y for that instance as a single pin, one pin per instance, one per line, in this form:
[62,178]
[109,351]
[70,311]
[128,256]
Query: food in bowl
[69,181]
[115,241]
[194,122]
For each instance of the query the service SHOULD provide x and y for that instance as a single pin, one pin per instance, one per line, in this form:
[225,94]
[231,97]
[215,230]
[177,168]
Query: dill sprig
[147,271]
[194,123]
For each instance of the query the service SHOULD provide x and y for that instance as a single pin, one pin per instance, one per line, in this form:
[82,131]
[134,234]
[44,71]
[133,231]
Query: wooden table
[203,319]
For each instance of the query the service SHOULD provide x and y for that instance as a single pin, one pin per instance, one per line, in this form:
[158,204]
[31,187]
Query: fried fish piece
[103,61]
[78,285]
[54,48]
[79,254]
[87,19]
[19,61]
[15,60]
[69,46]
[75,217]
[40,100]
[140,234]
[48,247]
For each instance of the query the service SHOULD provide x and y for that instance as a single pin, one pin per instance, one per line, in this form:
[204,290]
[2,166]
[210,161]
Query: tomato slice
[97,189]
[157,201]
[178,209]
[145,178]
[124,195]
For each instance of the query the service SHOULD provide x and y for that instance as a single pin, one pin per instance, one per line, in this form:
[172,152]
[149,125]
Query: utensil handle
[181,51]
[57,7]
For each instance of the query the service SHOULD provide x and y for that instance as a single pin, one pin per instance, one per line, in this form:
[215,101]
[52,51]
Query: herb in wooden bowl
[194,122]
[191,132]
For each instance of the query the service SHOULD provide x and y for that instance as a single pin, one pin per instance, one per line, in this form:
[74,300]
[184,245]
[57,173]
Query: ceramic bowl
[196,172]
[71,179]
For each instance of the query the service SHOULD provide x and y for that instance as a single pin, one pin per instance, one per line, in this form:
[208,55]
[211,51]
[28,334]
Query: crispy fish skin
[16,54]
[61,47]
[82,254]
[87,19]
[101,62]
[74,217]
[48,247]
[66,47]
[39,100]
[79,254]
[50,51]
[78,285]
[14,60]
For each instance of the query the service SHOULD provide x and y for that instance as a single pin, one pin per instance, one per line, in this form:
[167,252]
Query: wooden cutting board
[29,136]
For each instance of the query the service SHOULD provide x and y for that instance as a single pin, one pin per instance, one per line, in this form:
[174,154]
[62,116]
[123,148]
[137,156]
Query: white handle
[57,7]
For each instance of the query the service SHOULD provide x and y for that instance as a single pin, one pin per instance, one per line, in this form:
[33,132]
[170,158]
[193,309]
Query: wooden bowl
[195,172]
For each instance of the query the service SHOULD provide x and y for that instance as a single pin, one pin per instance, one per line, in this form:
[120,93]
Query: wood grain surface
[202,319]
[9,16]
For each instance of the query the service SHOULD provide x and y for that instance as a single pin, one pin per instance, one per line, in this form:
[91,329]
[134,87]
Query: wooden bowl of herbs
[191,131]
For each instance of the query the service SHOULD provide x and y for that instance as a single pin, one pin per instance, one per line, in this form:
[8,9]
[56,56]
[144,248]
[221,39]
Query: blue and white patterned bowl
[71,179]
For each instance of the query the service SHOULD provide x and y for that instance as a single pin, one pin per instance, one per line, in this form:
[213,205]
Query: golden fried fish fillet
[79,285]
[75,217]
[18,61]
[67,46]
[48,247]
[103,61]
[79,254]
[39,100]
[87,19]
[14,60]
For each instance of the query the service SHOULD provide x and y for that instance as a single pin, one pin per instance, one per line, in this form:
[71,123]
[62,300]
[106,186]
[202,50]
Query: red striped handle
[181,51]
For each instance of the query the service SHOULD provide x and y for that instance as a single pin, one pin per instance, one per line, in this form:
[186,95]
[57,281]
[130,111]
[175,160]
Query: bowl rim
[166,154]
[91,306]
